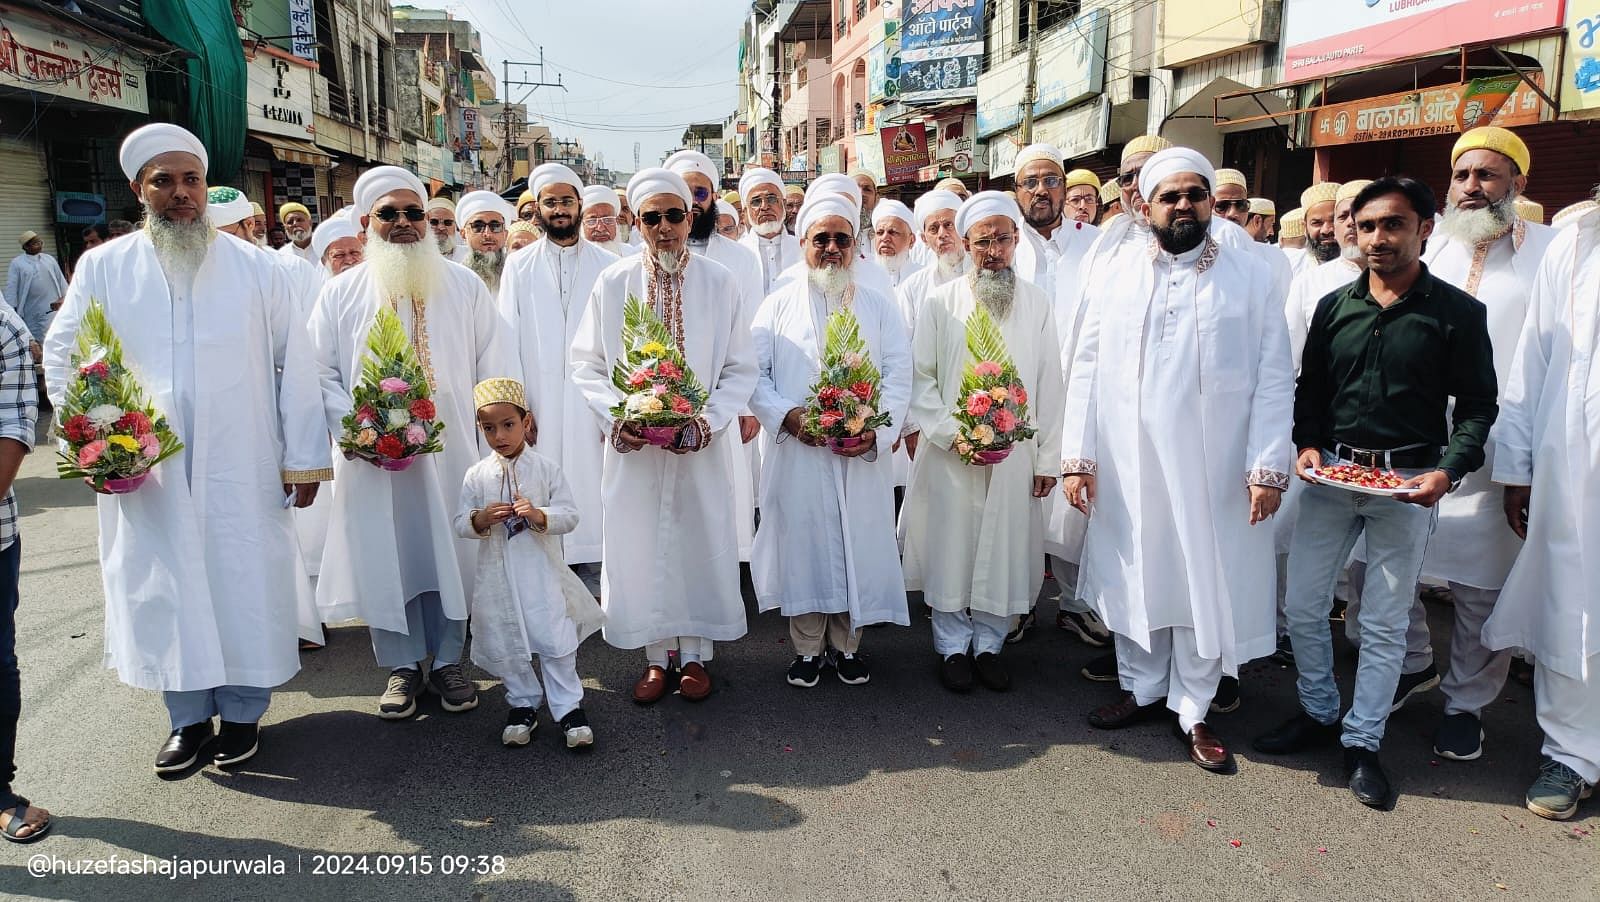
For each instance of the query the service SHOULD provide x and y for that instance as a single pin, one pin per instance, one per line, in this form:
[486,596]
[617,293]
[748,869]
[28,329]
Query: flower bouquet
[992,412]
[845,399]
[659,393]
[111,435]
[393,420]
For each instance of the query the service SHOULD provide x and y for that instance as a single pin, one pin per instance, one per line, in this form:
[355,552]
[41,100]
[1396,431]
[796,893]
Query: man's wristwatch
[1455,481]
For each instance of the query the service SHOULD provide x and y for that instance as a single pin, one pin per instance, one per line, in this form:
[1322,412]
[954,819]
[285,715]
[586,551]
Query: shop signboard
[1416,114]
[941,49]
[1322,38]
[55,63]
[905,151]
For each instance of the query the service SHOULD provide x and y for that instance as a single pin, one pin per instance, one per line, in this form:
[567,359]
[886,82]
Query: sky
[644,69]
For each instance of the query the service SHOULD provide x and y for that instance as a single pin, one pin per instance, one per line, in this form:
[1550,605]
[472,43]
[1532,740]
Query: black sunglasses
[840,240]
[654,217]
[480,225]
[1224,206]
[441,222]
[1127,179]
[1193,195]
[390,214]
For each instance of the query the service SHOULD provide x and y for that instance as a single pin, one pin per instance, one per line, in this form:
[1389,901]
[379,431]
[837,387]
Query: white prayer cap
[1261,206]
[226,206]
[823,206]
[381,180]
[1568,215]
[726,209]
[1040,152]
[647,183]
[686,161]
[982,206]
[755,177]
[1167,163]
[1231,177]
[932,202]
[834,183]
[547,174]
[148,142]
[891,208]
[474,203]
[340,225]
[595,195]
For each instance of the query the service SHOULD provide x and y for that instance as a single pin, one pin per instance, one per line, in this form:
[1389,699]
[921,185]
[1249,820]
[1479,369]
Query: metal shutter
[25,201]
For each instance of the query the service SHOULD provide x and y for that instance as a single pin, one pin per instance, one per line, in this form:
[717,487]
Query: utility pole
[777,108]
[505,111]
[1030,91]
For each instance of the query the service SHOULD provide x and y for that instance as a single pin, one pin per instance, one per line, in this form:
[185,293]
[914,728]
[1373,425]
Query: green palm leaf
[984,341]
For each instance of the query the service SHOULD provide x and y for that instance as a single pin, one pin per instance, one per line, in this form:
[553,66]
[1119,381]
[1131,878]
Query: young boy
[527,601]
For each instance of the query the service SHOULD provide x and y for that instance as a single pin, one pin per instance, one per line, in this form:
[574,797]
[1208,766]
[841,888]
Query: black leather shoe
[1368,783]
[1297,734]
[955,672]
[236,742]
[1126,712]
[182,748]
[992,671]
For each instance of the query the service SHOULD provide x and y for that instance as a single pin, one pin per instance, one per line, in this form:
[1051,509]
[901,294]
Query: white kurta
[1040,259]
[909,297]
[200,566]
[1181,397]
[671,547]
[1548,436]
[974,535]
[542,296]
[307,253]
[745,456]
[389,533]
[1470,543]
[526,601]
[33,283]
[908,268]
[827,540]
[1307,290]
[775,255]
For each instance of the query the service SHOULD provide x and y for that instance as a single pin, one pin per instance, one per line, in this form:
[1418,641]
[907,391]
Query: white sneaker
[575,726]
[520,724]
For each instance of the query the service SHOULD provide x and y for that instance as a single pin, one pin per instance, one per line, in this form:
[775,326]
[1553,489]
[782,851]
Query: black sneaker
[236,743]
[992,671]
[520,724]
[1086,625]
[955,672]
[1101,669]
[575,726]
[182,748]
[1414,684]
[1285,653]
[1226,701]
[1336,613]
[1459,738]
[852,669]
[1522,671]
[805,671]
[1024,623]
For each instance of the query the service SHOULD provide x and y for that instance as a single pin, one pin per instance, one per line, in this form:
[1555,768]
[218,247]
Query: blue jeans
[1329,523]
[236,704]
[10,673]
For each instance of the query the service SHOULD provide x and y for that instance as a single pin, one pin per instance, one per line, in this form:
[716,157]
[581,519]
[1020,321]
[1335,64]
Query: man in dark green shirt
[1383,358]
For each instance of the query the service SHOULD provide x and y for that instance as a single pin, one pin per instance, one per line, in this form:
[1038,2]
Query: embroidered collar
[1209,252]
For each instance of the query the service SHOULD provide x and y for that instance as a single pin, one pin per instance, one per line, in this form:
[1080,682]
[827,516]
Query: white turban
[887,209]
[726,209]
[547,174]
[148,142]
[376,182]
[1167,163]
[823,206]
[594,195]
[834,183]
[934,201]
[226,206]
[1040,152]
[475,202]
[756,177]
[983,205]
[686,161]
[647,183]
[340,225]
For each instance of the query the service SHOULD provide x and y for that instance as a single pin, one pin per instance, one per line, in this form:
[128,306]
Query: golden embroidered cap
[1144,144]
[1320,193]
[292,207]
[439,203]
[524,225]
[1081,177]
[1570,214]
[498,390]
[1502,141]
[1231,177]
[1260,206]
[1292,224]
[792,190]
[524,199]
[1350,189]
[1532,211]
[732,197]
[1110,191]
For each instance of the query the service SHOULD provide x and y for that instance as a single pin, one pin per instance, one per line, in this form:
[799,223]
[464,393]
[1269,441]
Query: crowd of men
[1187,379]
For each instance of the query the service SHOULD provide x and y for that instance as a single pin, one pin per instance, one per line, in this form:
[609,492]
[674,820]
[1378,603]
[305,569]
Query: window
[328,63]
[1052,15]
[384,61]
[357,84]
[991,36]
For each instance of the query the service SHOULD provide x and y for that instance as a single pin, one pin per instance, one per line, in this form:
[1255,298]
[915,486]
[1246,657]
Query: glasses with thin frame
[998,242]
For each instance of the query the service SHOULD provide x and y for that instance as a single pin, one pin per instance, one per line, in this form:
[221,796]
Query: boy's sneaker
[1024,623]
[399,699]
[456,692]
[576,728]
[520,724]
[852,669]
[805,671]
[1414,684]
[1086,625]
[1557,792]
[1101,669]
[1460,737]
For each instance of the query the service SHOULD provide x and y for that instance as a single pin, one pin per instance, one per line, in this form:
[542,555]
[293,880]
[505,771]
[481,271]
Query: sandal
[16,818]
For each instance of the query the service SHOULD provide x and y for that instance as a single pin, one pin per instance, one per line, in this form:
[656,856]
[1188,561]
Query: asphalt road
[893,790]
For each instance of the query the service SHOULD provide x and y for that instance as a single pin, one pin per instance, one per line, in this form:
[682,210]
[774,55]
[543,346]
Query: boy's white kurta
[1548,436]
[974,535]
[544,319]
[525,600]
[1176,423]
[389,533]
[671,549]
[203,575]
[827,540]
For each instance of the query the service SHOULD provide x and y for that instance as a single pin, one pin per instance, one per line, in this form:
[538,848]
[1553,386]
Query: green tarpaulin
[217,79]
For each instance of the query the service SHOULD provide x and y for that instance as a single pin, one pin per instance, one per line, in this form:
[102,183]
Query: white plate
[1359,489]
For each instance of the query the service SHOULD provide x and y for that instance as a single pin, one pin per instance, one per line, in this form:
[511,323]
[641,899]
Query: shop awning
[289,150]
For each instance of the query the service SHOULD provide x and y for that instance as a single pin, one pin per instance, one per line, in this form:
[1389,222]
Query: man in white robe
[974,533]
[600,221]
[392,558]
[542,298]
[200,570]
[1545,455]
[339,243]
[1172,559]
[826,554]
[762,193]
[867,270]
[1292,236]
[1053,244]
[485,219]
[442,225]
[893,238]
[296,221]
[669,535]
[35,285]
[935,219]
[1234,205]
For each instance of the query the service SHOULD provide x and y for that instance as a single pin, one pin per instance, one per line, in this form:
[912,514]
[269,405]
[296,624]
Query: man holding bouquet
[826,552]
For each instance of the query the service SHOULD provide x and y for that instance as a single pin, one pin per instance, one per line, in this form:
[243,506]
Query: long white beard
[950,264]
[1352,252]
[996,291]
[180,246]
[895,262]
[403,270]
[833,281]
[670,261]
[1471,227]
[624,231]
[445,243]
[615,246]
[299,236]
[488,267]
[770,229]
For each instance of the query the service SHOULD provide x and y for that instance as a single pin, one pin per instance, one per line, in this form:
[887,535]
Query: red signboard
[905,151]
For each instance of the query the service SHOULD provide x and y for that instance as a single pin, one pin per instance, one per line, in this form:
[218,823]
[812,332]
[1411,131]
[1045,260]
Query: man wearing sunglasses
[767,238]
[670,541]
[485,217]
[442,224]
[542,297]
[1232,205]
[391,558]
[1175,449]
[867,270]
[601,221]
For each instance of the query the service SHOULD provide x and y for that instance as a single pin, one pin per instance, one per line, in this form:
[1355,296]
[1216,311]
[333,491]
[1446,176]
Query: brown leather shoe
[1206,749]
[651,687]
[1125,712]
[695,684]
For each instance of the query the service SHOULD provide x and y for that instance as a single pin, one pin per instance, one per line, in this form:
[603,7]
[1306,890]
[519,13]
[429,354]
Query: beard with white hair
[615,246]
[894,262]
[403,270]
[671,261]
[832,280]
[180,246]
[995,290]
[445,243]
[770,229]
[488,267]
[1352,254]
[950,264]
[1473,227]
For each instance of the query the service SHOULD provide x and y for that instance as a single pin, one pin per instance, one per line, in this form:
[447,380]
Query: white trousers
[954,632]
[1419,642]
[565,689]
[689,649]
[1569,714]
[1066,574]
[1476,674]
[1172,670]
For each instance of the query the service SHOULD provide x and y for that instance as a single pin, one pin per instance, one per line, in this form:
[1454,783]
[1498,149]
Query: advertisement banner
[941,49]
[1416,114]
[1581,94]
[303,29]
[1321,38]
[279,95]
[55,63]
[1071,69]
[868,156]
[905,150]
[1482,98]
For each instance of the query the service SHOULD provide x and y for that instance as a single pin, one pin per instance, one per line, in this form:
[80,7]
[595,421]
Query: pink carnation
[978,404]
[90,453]
[394,385]
[149,445]
[987,369]
[1018,393]
[416,434]
[1004,420]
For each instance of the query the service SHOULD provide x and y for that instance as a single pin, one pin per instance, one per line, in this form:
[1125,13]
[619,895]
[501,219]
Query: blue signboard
[941,49]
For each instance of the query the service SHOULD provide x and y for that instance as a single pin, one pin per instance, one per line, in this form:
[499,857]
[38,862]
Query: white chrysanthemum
[104,416]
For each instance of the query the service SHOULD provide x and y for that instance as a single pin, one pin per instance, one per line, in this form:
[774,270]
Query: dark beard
[1323,251]
[705,225]
[556,233]
[1027,216]
[1181,236]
